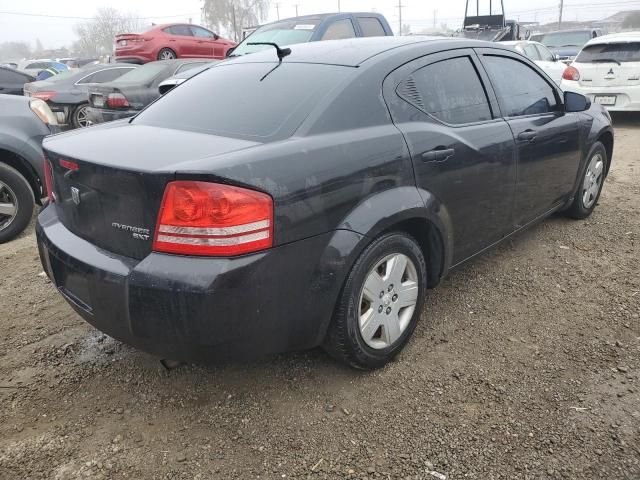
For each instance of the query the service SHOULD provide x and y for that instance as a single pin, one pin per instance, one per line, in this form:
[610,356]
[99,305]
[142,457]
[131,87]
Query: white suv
[607,70]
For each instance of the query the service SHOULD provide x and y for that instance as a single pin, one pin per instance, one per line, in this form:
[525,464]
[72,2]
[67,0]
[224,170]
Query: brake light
[48,181]
[69,165]
[571,73]
[202,218]
[46,96]
[117,100]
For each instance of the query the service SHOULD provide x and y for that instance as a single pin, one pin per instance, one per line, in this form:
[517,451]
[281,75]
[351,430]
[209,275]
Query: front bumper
[627,97]
[196,308]
[101,115]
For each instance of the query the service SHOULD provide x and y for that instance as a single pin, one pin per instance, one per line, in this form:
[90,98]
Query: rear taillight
[117,100]
[46,96]
[202,218]
[571,73]
[48,181]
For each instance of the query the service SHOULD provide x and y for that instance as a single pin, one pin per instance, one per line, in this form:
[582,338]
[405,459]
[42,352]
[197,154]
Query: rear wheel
[380,304]
[590,187]
[167,54]
[16,203]
[79,118]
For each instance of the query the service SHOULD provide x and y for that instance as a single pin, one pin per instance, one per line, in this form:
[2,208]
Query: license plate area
[605,99]
[73,285]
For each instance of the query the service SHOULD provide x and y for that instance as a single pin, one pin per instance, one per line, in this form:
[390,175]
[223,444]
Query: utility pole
[338,5]
[235,24]
[435,14]
[278,10]
[400,17]
[296,9]
[560,16]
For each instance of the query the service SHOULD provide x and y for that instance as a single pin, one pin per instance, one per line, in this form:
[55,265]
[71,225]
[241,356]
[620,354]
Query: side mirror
[574,102]
[229,52]
[216,36]
[556,57]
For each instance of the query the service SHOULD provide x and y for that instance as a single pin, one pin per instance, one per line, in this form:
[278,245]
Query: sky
[419,14]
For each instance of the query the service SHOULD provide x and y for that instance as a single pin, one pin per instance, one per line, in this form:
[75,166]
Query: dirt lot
[526,365]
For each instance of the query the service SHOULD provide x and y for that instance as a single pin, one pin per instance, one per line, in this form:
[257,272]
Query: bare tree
[232,15]
[96,36]
[14,50]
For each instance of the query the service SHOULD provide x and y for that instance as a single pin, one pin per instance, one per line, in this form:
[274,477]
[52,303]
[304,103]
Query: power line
[24,14]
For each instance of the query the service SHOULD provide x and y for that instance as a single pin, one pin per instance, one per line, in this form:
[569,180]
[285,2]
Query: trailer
[493,28]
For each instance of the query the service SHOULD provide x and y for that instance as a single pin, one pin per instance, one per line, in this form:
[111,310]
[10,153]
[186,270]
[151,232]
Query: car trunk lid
[100,198]
[126,39]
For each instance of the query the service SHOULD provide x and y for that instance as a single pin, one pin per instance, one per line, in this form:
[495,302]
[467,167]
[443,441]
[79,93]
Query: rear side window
[259,102]
[339,30]
[449,90]
[371,27]
[520,89]
[106,75]
[618,52]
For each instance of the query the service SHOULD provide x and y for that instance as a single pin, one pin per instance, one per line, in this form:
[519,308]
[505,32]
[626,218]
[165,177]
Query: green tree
[232,15]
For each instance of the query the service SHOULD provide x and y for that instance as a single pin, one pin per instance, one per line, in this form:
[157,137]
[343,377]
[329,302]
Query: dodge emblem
[75,195]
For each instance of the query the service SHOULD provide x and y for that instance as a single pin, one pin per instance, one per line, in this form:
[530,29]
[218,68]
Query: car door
[206,43]
[182,41]
[547,138]
[463,153]
[550,64]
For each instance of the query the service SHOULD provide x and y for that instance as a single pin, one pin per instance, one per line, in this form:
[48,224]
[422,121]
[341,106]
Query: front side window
[545,54]
[450,90]
[371,27]
[108,75]
[339,30]
[201,32]
[531,52]
[520,89]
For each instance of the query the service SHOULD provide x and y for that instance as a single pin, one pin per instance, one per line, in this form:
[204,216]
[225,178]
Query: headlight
[42,110]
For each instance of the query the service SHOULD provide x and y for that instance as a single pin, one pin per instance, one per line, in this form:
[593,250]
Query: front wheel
[380,304]
[591,183]
[16,203]
[167,54]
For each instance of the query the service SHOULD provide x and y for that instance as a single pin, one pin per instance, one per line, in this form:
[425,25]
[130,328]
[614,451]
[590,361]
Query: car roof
[322,16]
[622,37]
[570,30]
[353,52]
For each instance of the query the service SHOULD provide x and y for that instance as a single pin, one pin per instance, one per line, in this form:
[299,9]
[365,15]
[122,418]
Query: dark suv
[317,200]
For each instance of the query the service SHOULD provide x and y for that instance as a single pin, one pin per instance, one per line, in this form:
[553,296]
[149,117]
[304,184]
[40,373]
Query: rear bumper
[101,115]
[138,59]
[195,308]
[627,97]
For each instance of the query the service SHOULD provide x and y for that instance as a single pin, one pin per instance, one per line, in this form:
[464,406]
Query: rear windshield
[287,32]
[565,39]
[142,75]
[618,52]
[252,101]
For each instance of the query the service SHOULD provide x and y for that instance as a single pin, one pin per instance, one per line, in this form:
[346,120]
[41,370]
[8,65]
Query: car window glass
[285,32]
[143,75]
[37,65]
[449,90]
[339,30]
[259,102]
[201,32]
[545,54]
[7,76]
[371,27]
[520,90]
[188,66]
[182,30]
[531,52]
[107,75]
[621,52]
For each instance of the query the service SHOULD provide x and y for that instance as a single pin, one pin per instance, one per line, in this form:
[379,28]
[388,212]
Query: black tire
[13,186]
[344,340]
[579,209]
[76,116]
[167,54]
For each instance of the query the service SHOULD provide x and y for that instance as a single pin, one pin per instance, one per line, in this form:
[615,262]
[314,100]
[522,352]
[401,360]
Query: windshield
[143,74]
[617,52]
[261,101]
[565,39]
[288,32]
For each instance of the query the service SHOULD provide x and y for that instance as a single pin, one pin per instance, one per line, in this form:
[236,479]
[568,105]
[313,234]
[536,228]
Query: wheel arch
[25,169]
[606,138]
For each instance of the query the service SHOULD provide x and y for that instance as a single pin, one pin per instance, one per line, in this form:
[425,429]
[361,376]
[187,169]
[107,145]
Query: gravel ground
[525,365]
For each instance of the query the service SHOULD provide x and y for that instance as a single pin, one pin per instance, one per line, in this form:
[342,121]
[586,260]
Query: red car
[166,42]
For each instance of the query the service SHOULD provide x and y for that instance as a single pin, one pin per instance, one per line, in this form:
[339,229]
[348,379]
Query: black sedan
[317,200]
[12,81]
[66,93]
[132,92]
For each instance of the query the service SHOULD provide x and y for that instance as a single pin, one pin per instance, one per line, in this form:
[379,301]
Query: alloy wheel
[167,55]
[387,301]
[8,206]
[82,119]
[592,180]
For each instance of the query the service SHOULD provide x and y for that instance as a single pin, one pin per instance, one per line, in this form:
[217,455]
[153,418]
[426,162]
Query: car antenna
[281,52]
